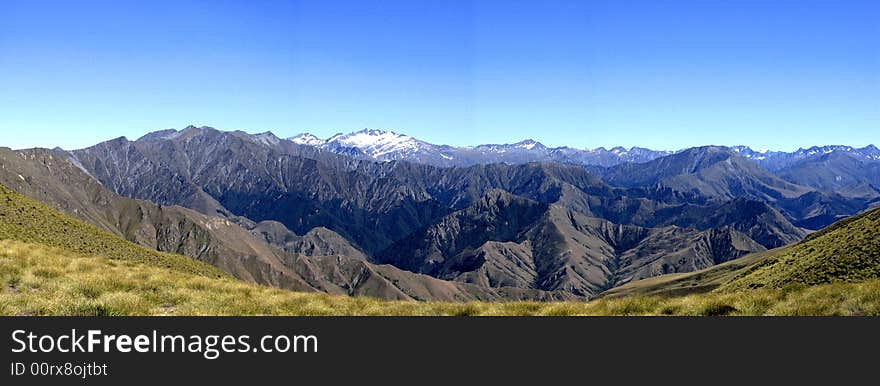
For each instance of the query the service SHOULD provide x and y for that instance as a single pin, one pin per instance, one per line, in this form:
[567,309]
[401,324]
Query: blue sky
[660,74]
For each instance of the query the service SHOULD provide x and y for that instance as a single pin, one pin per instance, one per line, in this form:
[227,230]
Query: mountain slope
[220,242]
[248,178]
[375,206]
[503,238]
[27,220]
[778,160]
[848,251]
[371,204]
[41,280]
[722,174]
[710,171]
[836,172]
[266,253]
[497,216]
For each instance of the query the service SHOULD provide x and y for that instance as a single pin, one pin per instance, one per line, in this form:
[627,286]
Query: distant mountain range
[776,160]
[382,214]
[381,145]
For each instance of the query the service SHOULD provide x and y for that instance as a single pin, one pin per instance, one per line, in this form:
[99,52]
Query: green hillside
[28,220]
[845,252]
[848,251]
[40,280]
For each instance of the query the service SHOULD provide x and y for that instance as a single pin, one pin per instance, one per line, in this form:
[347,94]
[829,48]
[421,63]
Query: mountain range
[379,145]
[382,214]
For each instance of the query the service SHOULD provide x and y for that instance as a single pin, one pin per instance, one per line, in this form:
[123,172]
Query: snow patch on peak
[75,162]
[377,143]
[366,138]
[747,152]
[528,144]
[307,139]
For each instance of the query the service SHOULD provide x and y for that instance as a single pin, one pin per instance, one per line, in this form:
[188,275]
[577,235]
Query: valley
[370,214]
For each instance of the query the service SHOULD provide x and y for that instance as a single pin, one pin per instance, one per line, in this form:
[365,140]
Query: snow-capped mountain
[383,145]
[378,145]
[777,160]
[307,139]
[846,170]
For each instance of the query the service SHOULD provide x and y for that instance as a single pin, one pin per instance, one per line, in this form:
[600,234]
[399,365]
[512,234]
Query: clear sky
[662,74]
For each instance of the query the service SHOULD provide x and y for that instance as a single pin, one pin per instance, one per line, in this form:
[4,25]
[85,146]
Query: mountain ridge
[294,215]
[388,145]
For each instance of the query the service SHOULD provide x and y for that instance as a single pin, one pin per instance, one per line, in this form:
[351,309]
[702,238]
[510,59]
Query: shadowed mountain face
[722,173]
[708,171]
[778,160]
[507,239]
[847,251]
[266,253]
[290,215]
[371,204]
[837,172]
[497,217]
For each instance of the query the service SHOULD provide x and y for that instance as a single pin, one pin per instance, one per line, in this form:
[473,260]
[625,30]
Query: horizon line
[396,132]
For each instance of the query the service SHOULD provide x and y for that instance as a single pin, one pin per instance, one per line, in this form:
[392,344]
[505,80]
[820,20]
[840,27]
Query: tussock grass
[847,251]
[41,280]
[28,220]
[51,264]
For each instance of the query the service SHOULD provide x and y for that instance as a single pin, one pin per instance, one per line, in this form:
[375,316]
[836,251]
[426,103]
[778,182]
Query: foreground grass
[41,280]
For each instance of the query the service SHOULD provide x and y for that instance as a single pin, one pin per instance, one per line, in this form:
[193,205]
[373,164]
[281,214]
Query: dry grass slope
[848,251]
[53,265]
[40,280]
[28,220]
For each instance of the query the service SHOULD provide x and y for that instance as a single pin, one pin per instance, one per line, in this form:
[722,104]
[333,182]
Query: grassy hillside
[28,220]
[53,265]
[682,284]
[848,251]
[40,280]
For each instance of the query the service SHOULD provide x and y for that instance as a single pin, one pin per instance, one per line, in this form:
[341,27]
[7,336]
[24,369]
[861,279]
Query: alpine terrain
[380,214]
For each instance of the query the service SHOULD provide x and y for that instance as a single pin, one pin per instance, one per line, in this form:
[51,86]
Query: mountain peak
[161,134]
[266,138]
[187,132]
[870,151]
[374,132]
[378,144]
[384,145]
[308,139]
[529,144]
[371,137]
[711,149]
